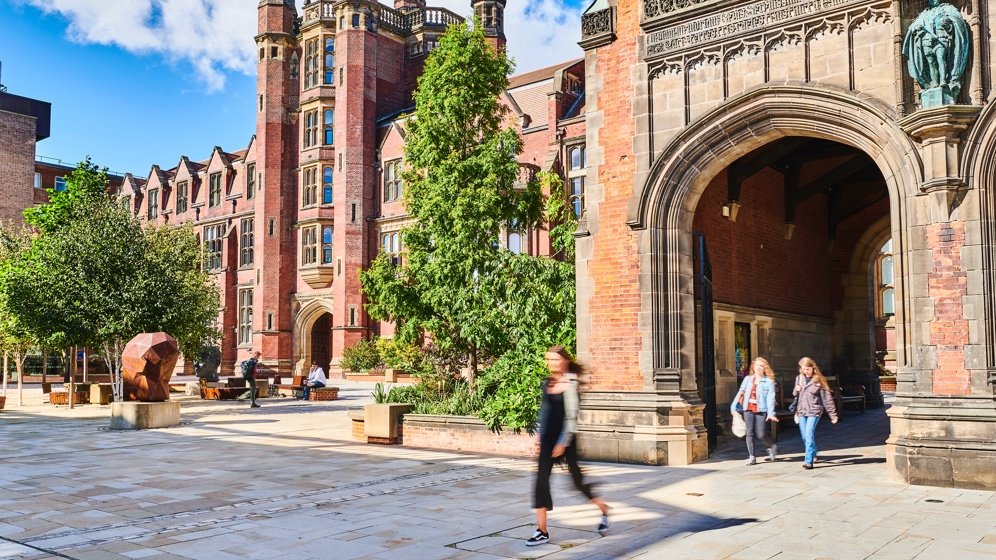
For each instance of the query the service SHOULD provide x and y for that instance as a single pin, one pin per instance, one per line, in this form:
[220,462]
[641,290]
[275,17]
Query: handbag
[739,427]
[794,404]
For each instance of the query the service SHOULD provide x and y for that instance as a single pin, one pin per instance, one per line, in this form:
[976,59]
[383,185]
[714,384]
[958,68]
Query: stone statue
[148,361]
[936,48]
[206,366]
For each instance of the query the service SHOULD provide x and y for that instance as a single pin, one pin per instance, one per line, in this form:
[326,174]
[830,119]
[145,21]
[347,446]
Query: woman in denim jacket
[814,398]
[756,398]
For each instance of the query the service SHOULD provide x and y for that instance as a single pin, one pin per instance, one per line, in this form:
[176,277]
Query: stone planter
[101,393]
[382,422]
[466,433]
[887,383]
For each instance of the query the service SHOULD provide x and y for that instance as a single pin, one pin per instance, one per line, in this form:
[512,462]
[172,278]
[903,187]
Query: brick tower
[276,164]
[491,15]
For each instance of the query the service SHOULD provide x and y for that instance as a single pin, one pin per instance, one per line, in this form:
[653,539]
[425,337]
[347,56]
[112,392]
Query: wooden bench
[289,390]
[222,393]
[851,394]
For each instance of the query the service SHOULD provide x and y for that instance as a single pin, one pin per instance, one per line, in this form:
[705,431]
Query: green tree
[462,187]
[15,340]
[95,277]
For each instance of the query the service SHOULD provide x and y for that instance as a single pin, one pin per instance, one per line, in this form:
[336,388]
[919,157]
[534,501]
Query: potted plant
[382,420]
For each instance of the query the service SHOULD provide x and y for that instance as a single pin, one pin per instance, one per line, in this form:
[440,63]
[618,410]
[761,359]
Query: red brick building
[23,123]
[289,221]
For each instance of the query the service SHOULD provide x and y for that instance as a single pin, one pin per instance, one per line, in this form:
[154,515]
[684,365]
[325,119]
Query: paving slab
[285,481]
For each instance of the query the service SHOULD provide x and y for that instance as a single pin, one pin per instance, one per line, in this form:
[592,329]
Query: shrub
[361,356]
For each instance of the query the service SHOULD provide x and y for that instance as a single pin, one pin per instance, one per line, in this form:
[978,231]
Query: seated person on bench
[316,378]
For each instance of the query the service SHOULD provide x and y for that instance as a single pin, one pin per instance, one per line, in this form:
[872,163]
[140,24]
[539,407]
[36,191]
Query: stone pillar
[944,418]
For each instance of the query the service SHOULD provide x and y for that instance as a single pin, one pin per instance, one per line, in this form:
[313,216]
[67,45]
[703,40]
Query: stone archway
[663,207]
[304,325]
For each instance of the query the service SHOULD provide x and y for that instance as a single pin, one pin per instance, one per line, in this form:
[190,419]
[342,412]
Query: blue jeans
[807,427]
[308,387]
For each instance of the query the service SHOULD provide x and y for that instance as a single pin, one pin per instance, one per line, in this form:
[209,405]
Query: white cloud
[215,37]
[539,32]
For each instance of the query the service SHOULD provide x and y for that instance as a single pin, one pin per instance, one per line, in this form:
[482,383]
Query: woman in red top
[756,398]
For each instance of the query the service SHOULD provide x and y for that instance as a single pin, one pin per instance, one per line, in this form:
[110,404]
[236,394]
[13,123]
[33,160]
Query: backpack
[247,367]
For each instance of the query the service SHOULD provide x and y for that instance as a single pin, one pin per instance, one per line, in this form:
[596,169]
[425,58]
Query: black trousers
[541,492]
[757,423]
[251,383]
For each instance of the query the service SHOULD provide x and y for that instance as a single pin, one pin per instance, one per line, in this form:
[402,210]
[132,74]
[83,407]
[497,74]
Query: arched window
[329,137]
[884,280]
[327,245]
[327,185]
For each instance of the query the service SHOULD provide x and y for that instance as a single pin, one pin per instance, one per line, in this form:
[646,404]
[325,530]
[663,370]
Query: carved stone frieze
[656,8]
[757,19]
[598,28]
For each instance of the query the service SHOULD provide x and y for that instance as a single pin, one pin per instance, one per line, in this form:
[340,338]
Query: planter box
[3,401]
[466,433]
[62,397]
[101,393]
[382,422]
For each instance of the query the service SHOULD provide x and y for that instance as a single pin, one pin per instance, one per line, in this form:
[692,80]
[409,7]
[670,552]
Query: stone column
[944,417]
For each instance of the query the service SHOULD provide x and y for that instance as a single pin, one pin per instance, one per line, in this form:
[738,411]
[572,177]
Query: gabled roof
[539,75]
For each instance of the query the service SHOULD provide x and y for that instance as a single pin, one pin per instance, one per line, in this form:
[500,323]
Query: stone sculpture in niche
[148,361]
[936,47]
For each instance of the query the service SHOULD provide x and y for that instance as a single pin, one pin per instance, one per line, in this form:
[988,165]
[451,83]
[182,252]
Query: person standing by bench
[316,379]
[757,399]
[249,374]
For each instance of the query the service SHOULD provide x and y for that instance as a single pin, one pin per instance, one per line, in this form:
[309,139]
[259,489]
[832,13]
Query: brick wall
[469,434]
[947,285]
[17,164]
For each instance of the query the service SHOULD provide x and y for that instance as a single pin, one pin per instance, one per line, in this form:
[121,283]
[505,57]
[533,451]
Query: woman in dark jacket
[814,398]
[557,425]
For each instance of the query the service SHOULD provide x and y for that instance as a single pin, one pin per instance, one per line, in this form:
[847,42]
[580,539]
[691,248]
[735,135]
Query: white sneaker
[772,452]
[538,538]
[603,525]
[751,461]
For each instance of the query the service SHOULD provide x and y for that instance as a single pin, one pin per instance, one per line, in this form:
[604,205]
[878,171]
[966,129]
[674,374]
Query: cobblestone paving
[285,482]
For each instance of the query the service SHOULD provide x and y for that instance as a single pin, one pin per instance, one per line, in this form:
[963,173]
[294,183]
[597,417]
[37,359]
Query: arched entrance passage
[312,336]
[664,207]
[776,235]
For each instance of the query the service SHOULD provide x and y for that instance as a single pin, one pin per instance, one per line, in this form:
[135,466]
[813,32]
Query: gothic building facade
[288,222]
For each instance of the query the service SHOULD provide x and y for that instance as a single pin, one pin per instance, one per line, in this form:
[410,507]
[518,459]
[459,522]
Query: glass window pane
[887,271]
[575,158]
[395,243]
[887,248]
[328,116]
[327,235]
[326,255]
[328,175]
[888,302]
[327,194]
[515,243]
[387,243]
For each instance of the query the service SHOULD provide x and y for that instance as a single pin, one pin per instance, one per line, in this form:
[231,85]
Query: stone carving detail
[596,23]
[936,47]
[657,8]
[745,21]
[148,361]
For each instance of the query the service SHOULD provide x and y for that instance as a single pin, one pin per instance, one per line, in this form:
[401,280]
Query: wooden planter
[3,401]
[62,397]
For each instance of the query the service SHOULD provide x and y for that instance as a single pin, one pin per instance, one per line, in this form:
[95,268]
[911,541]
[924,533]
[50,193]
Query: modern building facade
[788,179]
[289,221]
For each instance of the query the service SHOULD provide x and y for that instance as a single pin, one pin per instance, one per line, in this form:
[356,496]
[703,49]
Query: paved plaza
[286,482]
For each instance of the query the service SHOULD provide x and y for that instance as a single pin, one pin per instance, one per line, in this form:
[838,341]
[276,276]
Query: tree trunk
[86,361]
[72,379]
[3,391]
[44,365]
[19,363]
[472,374]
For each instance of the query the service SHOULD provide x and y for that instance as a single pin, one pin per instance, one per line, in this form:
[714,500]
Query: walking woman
[756,398]
[814,398]
[557,425]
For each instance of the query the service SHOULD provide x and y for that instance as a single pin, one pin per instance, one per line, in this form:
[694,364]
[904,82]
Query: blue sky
[131,85]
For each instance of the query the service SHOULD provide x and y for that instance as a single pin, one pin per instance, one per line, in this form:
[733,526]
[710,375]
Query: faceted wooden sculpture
[148,362]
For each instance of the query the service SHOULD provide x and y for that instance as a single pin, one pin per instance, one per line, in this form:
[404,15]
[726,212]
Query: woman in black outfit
[557,424]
